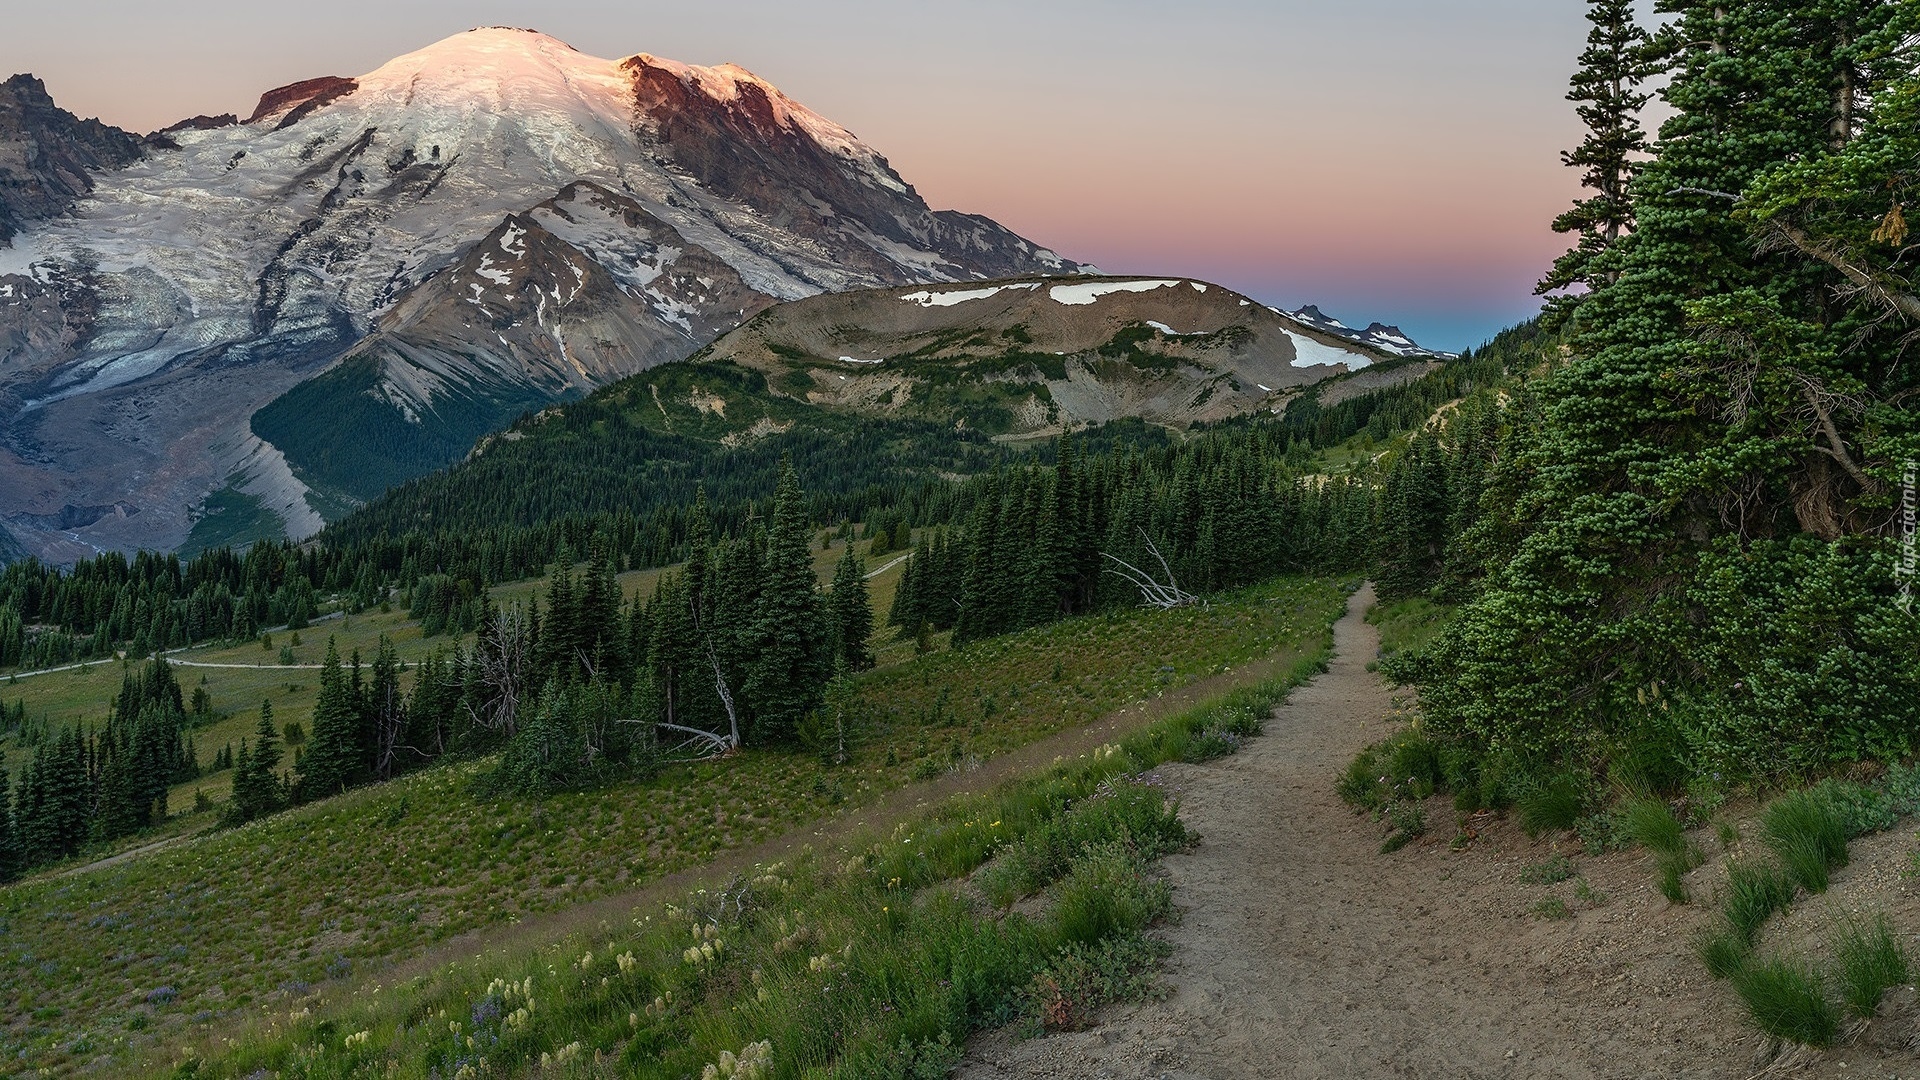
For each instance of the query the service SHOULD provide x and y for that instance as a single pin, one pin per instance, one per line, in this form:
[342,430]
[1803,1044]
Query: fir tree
[333,756]
[850,614]
[1618,59]
[10,861]
[787,666]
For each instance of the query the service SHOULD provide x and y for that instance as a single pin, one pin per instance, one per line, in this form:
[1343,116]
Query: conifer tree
[10,861]
[1619,57]
[787,665]
[850,614]
[266,790]
[333,757]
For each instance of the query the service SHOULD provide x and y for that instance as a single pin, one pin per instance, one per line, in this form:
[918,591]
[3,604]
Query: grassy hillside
[258,916]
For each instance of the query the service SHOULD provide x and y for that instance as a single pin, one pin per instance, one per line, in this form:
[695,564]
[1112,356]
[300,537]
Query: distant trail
[876,573]
[169,653]
[249,667]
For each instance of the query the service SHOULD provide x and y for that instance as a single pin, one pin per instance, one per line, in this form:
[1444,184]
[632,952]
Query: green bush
[1808,831]
[1556,869]
[1787,1000]
[1871,962]
[1404,766]
[1409,822]
[1862,809]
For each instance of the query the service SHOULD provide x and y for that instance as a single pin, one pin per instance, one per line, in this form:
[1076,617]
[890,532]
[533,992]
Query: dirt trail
[1303,952]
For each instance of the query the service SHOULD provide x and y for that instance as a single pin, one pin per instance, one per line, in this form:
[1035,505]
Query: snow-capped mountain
[495,219]
[1388,339]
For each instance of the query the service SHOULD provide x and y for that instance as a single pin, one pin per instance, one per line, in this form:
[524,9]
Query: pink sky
[1387,159]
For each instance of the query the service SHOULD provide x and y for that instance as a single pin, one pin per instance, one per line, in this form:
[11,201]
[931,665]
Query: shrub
[1552,908]
[1787,1000]
[1808,831]
[1754,892]
[1556,869]
[1409,822]
[1107,895]
[1871,962]
[1405,766]
[1862,809]
[1210,744]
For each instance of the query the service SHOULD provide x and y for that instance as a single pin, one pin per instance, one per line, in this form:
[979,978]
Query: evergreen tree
[10,861]
[787,666]
[1692,521]
[1619,57]
[333,757]
[850,614]
[267,790]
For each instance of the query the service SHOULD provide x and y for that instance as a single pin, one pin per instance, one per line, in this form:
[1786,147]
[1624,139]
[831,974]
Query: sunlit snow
[948,298]
[1310,353]
[1075,295]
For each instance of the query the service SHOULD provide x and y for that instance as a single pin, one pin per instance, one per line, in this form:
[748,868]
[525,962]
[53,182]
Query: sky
[1394,160]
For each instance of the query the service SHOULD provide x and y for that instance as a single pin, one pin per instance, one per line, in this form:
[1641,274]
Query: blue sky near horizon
[1386,159]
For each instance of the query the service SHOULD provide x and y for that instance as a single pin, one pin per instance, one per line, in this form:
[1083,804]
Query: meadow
[873,959]
[129,955]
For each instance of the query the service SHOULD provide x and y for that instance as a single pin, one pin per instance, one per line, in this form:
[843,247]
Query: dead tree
[500,658]
[699,743]
[1152,593]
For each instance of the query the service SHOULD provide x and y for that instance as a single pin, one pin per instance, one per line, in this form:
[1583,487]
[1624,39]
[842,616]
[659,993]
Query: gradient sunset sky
[1386,159]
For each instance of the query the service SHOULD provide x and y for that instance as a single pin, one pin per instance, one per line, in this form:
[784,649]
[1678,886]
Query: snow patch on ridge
[948,298]
[1310,353]
[1076,295]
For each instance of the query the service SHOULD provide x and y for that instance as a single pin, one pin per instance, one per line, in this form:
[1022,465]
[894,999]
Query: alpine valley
[496,222]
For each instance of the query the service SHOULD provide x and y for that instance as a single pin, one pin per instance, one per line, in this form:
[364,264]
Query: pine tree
[1691,520]
[787,666]
[850,614]
[267,790]
[1619,57]
[10,860]
[333,757]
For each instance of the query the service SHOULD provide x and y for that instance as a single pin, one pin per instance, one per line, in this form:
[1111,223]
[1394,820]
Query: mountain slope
[276,246]
[48,155]
[1033,356]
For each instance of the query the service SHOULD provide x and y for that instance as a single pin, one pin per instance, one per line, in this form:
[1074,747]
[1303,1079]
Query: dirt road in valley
[1301,951]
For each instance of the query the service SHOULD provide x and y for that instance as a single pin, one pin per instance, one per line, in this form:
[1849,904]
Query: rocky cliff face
[48,156]
[346,222]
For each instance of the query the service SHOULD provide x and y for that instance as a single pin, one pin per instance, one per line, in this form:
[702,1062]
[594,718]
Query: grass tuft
[1554,806]
[1724,951]
[1755,890]
[1808,831]
[1651,824]
[1787,1000]
[1871,963]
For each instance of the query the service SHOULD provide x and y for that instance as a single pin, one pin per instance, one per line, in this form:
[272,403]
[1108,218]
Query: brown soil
[1301,951]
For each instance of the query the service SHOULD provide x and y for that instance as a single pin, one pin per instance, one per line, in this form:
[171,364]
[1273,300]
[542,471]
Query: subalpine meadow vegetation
[1640,557]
